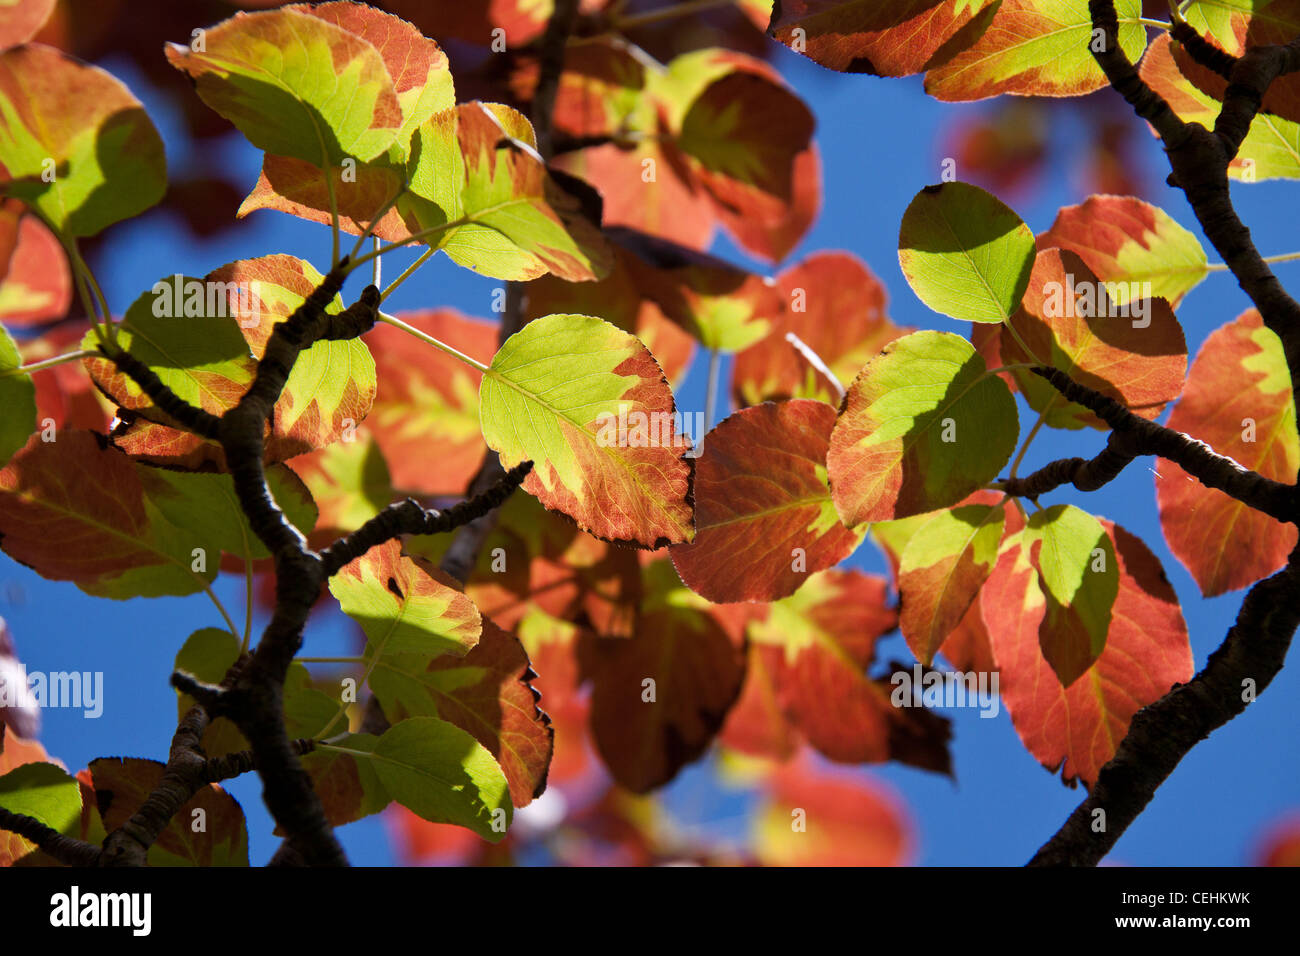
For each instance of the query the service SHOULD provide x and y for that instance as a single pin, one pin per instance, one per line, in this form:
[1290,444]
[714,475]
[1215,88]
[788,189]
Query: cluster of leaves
[658,597]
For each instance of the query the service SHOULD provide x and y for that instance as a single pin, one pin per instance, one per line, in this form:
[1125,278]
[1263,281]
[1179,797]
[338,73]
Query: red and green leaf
[558,393]
[1238,400]
[922,426]
[77,145]
[1077,729]
[763,513]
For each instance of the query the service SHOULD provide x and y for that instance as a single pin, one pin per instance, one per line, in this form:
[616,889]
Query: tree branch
[408,517]
[1134,435]
[1160,735]
[1202,50]
[67,850]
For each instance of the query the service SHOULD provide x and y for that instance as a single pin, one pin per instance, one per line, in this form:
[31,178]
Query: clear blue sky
[880,144]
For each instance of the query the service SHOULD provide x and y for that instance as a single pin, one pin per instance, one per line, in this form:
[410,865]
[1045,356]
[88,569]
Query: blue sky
[880,143]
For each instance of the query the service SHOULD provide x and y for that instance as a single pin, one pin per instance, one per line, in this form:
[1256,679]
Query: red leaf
[1237,399]
[764,518]
[1077,730]
[36,284]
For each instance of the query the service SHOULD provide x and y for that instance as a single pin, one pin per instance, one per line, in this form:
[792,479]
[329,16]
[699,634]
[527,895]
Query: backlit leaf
[1125,240]
[122,784]
[885,39]
[443,774]
[836,307]
[487,693]
[1134,353]
[659,698]
[923,426]
[1078,579]
[76,144]
[75,510]
[1238,400]
[38,284]
[17,398]
[827,633]
[345,779]
[405,605]
[1035,48]
[296,85]
[847,821]
[425,415]
[349,482]
[763,513]
[46,793]
[1078,729]
[588,405]
[478,169]
[942,569]
[964,253]
[1271,150]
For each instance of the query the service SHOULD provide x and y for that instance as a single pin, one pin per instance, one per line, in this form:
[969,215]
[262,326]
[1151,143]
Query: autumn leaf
[827,633]
[1134,353]
[812,817]
[405,605]
[923,425]
[1238,400]
[864,36]
[658,699]
[763,513]
[121,786]
[1077,729]
[835,306]
[1271,149]
[20,20]
[1124,240]
[477,169]
[296,85]
[487,693]
[588,405]
[425,417]
[1035,48]
[35,282]
[77,146]
[17,398]
[942,569]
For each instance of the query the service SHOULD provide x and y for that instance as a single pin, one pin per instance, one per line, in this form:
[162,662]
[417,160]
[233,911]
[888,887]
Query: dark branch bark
[1133,435]
[550,66]
[1202,50]
[408,517]
[67,850]
[1161,735]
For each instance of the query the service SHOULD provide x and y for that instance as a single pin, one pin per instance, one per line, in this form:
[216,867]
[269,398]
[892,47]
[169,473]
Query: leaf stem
[406,274]
[1284,257]
[49,362]
[380,214]
[429,339]
[330,660]
[711,389]
[414,237]
[207,588]
[334,219]
[1020,455]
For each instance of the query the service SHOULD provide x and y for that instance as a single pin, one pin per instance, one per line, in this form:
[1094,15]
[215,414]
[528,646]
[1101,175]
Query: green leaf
[205,505]
[296,85]
[76,144]
[588,405]
[442,774]
[17,399]
[965,253]
[475,169]
[922,426]
[1080,578]
[942,568]
[44,792]
[405,605]
[345,779]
